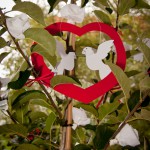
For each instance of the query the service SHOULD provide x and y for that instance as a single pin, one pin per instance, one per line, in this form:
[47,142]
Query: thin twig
[125,121]
[117,26]
[117,19]
[28,62]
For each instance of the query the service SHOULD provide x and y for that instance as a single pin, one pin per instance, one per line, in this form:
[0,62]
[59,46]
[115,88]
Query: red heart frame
[91,93]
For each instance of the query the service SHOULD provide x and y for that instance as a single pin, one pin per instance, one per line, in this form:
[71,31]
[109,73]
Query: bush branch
[126,119]
[29,64]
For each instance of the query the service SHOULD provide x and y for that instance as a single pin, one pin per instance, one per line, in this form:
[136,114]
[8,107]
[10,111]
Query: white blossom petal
[17,25]
[113,142]
[127,47]
[20,36]
[138,57]
[146,41]
[4,81]
[3,105]
[79,117]
[73,13]
[127,136]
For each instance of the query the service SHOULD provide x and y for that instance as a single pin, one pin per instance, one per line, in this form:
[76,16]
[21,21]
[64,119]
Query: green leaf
[146,143]
[141,4]
[107,108]
[39,49]
[84,2]
[109,10]
[50,121]
[36,115]
[45,144]
[145,50]
[82,147]
[103,134]
[132,73]
[116,96]
[145,114]
[53,4]
[62,79]
[111,119]
[88,108]
[90,127]
[13,95]
[124,6]
[23,67]
[142,126]
[102,16]
[42,103]
[20,114]
[131,53]
[29,95]
[122,113]
[17,1]
[20,82]
[3,55]
[134,99]
[3,43]
[2,31]
[122,79]
[125,26]
[17,129]
[43,38]
[145,84]
[31,9]
[81,135]
[27,147]
[103,2]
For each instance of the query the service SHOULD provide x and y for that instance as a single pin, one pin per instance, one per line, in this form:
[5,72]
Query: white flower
[146,41]
[17,25]
[4,81]
[73,13]
[127,136]
[2,122]
[138,57]
[79,117]
[127,47]
[3,105]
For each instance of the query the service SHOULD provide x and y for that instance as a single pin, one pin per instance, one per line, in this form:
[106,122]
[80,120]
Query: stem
[117,19]
[50,144]
[105,98]
[117,26]
[63,130]
[69,128]
[69,109]
[28,62]
[125,121]
[10,116]
[51,100]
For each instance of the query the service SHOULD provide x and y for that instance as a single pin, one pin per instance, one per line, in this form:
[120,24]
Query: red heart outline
[91,93]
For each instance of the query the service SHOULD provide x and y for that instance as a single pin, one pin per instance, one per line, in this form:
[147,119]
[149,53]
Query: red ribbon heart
[91,93]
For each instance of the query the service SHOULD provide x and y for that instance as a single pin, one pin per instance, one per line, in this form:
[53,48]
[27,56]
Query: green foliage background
[29,109]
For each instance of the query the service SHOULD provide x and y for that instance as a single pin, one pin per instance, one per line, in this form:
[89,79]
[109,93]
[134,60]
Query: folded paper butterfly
[44,73]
